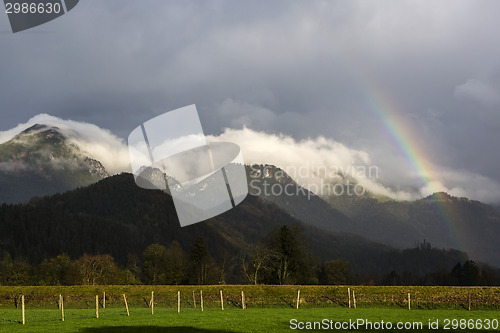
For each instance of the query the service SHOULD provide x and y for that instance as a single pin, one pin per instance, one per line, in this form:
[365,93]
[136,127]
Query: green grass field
[269,308]
[231,320]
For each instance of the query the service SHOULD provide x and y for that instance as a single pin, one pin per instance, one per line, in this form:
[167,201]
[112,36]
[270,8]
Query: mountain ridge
[117,217]
[443,220]
[40,161]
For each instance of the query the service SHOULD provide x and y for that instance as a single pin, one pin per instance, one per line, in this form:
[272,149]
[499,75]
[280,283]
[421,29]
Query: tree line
[282,257]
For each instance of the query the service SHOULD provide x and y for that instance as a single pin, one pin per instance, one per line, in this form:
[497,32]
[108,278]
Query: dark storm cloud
[304,69]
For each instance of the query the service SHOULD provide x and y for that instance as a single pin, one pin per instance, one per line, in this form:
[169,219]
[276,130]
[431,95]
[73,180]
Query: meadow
[268,309]
[237,320]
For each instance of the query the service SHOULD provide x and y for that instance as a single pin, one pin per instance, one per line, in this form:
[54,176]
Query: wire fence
[259,296]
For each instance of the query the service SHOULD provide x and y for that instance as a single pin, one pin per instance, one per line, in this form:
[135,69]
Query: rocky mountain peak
[42,160]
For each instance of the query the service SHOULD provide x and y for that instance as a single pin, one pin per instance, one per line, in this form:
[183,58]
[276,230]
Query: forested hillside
[116,222]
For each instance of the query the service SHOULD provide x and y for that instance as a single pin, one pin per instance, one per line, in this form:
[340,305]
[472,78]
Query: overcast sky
[304,69]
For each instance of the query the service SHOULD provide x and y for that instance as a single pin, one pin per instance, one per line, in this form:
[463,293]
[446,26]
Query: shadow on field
[149,329]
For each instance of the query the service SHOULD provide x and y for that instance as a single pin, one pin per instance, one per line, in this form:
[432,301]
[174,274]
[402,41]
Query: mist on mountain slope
[37,147]
[97,142]
[315,163]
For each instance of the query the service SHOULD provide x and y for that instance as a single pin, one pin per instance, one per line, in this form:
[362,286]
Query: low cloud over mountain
[314,163]
[98,143]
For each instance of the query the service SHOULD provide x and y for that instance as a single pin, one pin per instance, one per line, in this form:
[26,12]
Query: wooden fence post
[22,306]
[104,300]
[409,302]
[201,299]
[59,304]
[194,300]
[62,307]
[243,305]
[97,306]
[349,296]
[469,300]
[179,301]
[298,298]
[354,299]
[126,305]
[152,302]
[221,301]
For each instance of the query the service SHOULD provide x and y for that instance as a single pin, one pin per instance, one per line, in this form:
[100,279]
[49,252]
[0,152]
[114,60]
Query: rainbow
[403,136]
